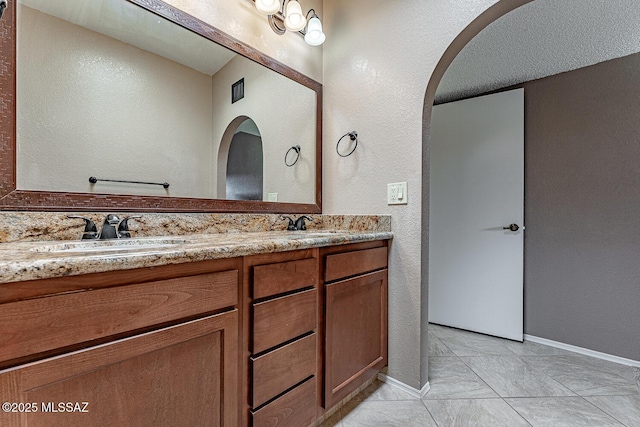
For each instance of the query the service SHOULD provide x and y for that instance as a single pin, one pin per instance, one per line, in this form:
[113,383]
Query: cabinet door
[356,333]
[181,375]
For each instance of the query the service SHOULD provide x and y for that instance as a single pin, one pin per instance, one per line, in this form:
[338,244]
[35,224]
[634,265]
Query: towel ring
[353,136]
[297,150]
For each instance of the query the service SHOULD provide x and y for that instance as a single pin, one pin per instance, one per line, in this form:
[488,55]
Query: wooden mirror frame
[25,200]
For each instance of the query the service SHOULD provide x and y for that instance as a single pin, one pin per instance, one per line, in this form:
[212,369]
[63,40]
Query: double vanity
[215,321]
[257,328]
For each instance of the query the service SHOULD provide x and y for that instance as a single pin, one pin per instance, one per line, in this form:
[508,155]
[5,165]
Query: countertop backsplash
[41,226]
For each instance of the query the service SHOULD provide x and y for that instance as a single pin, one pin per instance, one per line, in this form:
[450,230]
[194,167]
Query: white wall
[110,95]
[241,20]
[284,112]
[379,56]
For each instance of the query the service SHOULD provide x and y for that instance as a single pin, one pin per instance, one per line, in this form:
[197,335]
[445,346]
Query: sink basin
[115,245]
[309,234]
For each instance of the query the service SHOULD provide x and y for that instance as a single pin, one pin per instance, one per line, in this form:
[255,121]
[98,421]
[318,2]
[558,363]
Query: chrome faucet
[112,228]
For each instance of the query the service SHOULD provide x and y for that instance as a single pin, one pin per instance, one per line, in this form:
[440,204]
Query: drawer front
[43,324]
[294,409]
[352,263]
[281,369]
[273,279]
[282,319]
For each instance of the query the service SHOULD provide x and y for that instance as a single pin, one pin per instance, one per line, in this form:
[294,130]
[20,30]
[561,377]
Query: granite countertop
[47,259]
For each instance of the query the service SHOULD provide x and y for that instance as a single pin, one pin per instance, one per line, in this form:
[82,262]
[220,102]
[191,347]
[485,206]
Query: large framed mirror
[135,105]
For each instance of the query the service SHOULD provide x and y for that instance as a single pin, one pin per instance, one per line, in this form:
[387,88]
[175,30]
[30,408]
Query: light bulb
[295,20]
[314,36]
[268,7]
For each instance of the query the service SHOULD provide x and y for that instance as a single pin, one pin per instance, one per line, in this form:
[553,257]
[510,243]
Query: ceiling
[133,25]
[542,38]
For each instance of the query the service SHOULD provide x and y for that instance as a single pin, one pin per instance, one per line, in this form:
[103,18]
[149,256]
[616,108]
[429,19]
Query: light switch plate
[397,193]
[272,197]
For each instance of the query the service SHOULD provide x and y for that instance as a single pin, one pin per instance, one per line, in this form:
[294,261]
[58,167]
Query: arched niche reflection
[241,161]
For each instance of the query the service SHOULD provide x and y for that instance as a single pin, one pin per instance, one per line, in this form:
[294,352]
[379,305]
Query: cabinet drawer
[281,369]
[352,263]
[294,409]
[38,325]
[282,319]
[273,279]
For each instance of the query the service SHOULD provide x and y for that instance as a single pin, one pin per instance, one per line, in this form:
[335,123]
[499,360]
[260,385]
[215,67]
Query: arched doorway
[493,13]
[549,165]
[240,161]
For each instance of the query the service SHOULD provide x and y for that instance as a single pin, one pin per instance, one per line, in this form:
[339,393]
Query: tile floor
[482,381]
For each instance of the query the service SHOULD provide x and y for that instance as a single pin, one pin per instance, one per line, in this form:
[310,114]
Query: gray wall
[582,207]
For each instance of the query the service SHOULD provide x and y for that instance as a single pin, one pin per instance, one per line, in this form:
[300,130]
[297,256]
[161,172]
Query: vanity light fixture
[294,19]
[314,35]
[268,7]
[287,15]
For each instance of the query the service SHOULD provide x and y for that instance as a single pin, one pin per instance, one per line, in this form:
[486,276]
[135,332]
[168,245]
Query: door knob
[512,227]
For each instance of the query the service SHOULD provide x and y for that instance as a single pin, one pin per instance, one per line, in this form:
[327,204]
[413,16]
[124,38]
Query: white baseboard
[585,351]
[418,394]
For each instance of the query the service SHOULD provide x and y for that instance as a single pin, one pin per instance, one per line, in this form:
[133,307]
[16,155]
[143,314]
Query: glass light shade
[295,20]
[268,7]
[314,36]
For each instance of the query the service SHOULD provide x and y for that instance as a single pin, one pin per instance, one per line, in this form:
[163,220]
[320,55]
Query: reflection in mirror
[244,163]
[108,89]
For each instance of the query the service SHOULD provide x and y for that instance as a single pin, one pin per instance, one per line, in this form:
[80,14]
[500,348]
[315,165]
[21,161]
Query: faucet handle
[291,226]
[123,226]
[90,229]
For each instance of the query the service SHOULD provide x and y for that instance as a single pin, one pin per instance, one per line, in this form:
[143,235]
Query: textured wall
[379,56]
[154,115]
[582,205]
[543,38]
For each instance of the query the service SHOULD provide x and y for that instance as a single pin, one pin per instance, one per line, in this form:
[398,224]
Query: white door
[477,189]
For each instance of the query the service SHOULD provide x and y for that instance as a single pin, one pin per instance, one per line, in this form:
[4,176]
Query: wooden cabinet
[163,352]
[269,340]
[355,317]
[309,346]
[169,377]
[282,338]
